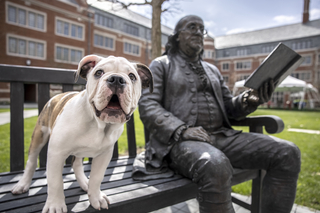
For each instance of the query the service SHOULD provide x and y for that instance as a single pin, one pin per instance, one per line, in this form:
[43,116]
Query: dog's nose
[116,80]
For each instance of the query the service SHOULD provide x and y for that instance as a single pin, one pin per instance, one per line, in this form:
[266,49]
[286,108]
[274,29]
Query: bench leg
[257,192]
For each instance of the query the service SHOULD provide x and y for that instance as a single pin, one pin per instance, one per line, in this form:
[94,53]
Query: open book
[280,63]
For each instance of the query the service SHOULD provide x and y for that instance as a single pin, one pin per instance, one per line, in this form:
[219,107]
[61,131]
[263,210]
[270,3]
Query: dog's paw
[99,200]
[20,187]
[54,206]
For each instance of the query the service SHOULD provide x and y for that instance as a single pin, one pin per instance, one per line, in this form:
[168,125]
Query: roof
[127,14]
[286,32]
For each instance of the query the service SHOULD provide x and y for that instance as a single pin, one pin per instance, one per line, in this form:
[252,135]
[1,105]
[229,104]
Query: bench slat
[16,126]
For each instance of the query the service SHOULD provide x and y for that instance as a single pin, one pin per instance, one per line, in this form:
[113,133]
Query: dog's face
[114,86]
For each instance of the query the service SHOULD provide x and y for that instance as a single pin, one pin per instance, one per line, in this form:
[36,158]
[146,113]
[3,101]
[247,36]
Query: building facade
[58,33]
[238,55]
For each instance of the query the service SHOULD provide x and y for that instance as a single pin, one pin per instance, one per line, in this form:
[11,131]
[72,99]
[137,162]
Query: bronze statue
[187,117]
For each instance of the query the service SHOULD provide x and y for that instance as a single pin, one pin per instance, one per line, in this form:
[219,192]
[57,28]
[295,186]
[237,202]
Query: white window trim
[226,76]
[242,61]
[70,22]
[69,47]
[225,62]
[306,65]
[306,71]
[134,43]
[27,10]
[69,3]
[105,35]
[26,55]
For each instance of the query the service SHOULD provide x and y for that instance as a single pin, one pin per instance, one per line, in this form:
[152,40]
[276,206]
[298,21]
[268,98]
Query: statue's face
[191,36]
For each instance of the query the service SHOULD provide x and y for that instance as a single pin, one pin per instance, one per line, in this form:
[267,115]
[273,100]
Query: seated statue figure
[187,117]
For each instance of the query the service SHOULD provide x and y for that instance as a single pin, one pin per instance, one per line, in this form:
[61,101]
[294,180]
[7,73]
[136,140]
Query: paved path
[5,116]
[190,206]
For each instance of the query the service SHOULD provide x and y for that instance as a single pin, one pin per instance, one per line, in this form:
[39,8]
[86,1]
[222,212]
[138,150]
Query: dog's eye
[99,73]
[132,77]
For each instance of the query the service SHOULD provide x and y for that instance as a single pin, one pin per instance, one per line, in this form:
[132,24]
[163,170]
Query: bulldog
[85,124]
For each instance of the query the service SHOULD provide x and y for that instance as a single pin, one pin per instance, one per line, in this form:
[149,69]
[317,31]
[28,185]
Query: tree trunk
[156,28]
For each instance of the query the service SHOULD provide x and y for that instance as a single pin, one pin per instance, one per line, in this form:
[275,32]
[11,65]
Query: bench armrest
[273,124]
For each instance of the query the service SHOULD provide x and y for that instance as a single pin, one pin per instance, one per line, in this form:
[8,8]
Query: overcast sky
[222,17]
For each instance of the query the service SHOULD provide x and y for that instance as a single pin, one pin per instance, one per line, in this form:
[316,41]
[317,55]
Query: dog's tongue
[114,103]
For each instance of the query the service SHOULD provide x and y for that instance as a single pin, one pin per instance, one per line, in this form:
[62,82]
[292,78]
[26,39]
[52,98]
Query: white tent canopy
[289,84]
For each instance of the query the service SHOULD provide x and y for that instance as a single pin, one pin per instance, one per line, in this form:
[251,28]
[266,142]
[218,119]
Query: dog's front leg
[97,198]
[55,200]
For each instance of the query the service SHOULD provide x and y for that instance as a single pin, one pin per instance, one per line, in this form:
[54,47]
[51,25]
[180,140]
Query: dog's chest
[95,142]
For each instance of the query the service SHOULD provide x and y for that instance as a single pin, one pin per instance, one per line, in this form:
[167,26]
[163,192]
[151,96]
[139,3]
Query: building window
[305,76]
[103,21]
[242,52]
[226,53]
[208,54]
[298,45]
[307,60]
[25,17]
[69,29]
[132,30]
[243,65]
[132,49]
[226,78]
[225,66]
[267,48]
[242,77]
[26,47]
[277,98]
[103,41]
[67,54]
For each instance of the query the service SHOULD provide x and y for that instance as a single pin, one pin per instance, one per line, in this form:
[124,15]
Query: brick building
[58,33]
[238,55]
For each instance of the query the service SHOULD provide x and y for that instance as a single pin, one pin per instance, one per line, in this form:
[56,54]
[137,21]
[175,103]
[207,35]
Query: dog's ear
[145,76]
[85,66]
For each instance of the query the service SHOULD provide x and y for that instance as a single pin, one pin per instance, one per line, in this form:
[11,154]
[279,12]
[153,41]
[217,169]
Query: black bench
[125,194]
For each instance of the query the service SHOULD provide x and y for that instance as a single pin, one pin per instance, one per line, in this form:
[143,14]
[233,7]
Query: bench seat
[138,196]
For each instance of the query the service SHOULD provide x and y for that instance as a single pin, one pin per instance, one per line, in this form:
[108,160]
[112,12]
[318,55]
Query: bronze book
[280,63]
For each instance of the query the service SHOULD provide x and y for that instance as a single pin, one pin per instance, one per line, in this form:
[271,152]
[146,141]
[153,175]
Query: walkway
[191,206]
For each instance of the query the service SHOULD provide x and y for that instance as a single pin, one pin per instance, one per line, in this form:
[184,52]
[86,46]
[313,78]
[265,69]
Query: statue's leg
[281,160]
[210,169]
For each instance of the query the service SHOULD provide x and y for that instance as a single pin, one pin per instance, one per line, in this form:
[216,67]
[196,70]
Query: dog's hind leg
[39,138]
[79,173]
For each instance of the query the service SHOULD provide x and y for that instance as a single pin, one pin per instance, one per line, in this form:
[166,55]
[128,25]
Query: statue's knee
[290,158]
[213,168]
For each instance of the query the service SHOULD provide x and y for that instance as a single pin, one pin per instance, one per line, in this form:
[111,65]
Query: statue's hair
[172,45]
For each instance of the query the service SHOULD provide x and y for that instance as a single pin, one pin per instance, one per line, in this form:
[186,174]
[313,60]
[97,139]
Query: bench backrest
[17,76]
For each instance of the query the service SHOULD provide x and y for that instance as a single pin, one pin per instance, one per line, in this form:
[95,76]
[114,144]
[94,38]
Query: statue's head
[187,36]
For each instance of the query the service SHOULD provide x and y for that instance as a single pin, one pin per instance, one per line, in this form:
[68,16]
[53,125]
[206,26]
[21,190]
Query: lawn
[308,193]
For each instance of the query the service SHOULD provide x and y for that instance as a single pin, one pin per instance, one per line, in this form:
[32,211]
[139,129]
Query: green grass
[308,193]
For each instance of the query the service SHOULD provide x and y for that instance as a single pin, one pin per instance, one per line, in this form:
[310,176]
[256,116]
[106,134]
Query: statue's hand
[257,97]
[195,133]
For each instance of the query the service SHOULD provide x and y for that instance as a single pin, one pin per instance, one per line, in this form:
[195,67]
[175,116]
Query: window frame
[105,35]
[242,62]
[27,47]
[70,48]
[70,24]
[225,63]
[132,43]
[27,12]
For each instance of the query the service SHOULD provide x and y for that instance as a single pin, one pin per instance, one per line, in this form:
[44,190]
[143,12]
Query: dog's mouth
[113,105]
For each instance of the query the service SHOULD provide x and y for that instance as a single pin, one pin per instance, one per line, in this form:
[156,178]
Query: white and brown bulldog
[85,124]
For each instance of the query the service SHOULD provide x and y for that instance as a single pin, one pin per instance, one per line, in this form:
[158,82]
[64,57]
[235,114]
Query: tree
[157,10]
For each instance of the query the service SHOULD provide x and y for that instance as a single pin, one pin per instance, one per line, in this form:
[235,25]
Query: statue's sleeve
[159,122]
